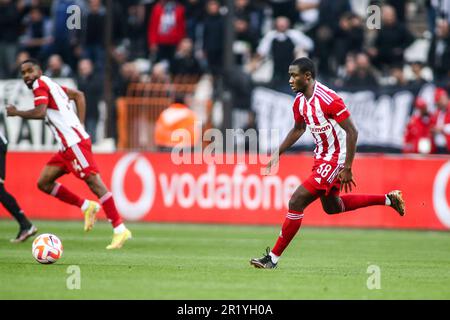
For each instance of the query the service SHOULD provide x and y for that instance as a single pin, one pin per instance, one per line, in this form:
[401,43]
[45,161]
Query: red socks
[355,201]
[293,219]
[64,194]
[288,230]
[107,201]
[109,206]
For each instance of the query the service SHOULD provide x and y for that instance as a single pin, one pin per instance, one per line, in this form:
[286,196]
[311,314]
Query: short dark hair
[305,64]
[33,61]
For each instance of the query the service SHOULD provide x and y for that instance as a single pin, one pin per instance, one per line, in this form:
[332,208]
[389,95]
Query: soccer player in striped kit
[325,114]
[27,229]
[51,102]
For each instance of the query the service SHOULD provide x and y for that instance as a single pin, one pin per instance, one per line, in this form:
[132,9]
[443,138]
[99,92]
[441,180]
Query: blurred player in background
[27,229]
[52,103]
[418,135]
[325,114]
[441,121]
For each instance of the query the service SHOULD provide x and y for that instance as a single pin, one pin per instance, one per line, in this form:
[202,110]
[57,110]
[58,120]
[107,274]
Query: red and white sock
[113,216]
[289,229]
[355,201]
[65,195]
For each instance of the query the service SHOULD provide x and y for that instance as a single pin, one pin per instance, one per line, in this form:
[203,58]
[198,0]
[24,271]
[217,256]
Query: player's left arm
[80,101]
[346,175]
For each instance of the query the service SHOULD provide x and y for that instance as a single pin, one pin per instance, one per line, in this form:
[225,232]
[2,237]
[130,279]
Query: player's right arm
[38,112]
[41,98]
[296,132]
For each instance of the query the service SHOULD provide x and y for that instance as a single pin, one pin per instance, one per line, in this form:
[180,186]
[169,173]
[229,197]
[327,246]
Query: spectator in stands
[179,119]
[398,76]
[284,8]
[184,62]
[195,11]
[159,73]
[441,121]
[135,30]
[65,39]
[246,41]
[90,82]
[349,36]
[391,40]
[308,14]
[56,68]
[284,45]
[437,9]
[246,10]
[129,73]
[418,78]
[94,34]
[363,75]
[20,57]
[439,52]
[330,12]
[213,37]
[241,86]
[9,24]
[400,9]
[347,71]
[166,29]
[38,38]
[418,135]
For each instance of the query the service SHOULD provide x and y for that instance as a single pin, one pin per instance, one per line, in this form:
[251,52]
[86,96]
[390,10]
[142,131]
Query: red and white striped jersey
[60,117]
[322,113]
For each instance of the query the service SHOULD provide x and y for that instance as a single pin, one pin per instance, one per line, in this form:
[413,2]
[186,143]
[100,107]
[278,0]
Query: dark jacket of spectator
[439,52]
[391,42]
[213,38]
[185,64]
[9,22]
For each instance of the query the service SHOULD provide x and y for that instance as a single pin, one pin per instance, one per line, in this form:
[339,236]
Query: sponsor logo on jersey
[320,129]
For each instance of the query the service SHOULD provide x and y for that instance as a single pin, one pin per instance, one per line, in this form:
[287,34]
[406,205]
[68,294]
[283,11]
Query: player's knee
[331,210]
[296,203]
[44,186]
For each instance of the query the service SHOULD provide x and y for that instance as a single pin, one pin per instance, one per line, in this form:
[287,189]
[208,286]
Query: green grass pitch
[185,261]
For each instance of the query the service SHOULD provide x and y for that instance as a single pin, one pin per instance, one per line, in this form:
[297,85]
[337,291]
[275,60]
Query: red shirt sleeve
[40,96]
[297,116]
[338,111]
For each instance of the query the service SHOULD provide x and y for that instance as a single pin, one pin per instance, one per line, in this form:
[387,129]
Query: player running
[325,114]
[51,103]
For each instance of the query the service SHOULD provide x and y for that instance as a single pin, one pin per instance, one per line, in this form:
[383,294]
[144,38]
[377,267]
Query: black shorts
[3,149]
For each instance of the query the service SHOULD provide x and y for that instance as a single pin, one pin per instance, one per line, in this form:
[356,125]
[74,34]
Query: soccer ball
[47,248]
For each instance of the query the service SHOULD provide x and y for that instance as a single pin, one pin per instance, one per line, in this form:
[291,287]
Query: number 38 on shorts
[323,177]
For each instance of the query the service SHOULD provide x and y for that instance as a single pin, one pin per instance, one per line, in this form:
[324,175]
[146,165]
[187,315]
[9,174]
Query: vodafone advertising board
[150,187]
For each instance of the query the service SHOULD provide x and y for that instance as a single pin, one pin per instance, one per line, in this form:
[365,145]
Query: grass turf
[183,261]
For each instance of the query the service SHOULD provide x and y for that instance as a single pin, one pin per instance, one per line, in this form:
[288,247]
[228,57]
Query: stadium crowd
[154,40]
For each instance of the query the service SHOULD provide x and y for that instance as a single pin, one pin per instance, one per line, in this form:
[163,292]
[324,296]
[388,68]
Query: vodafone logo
[142,167]
[440,200]
[209,189]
